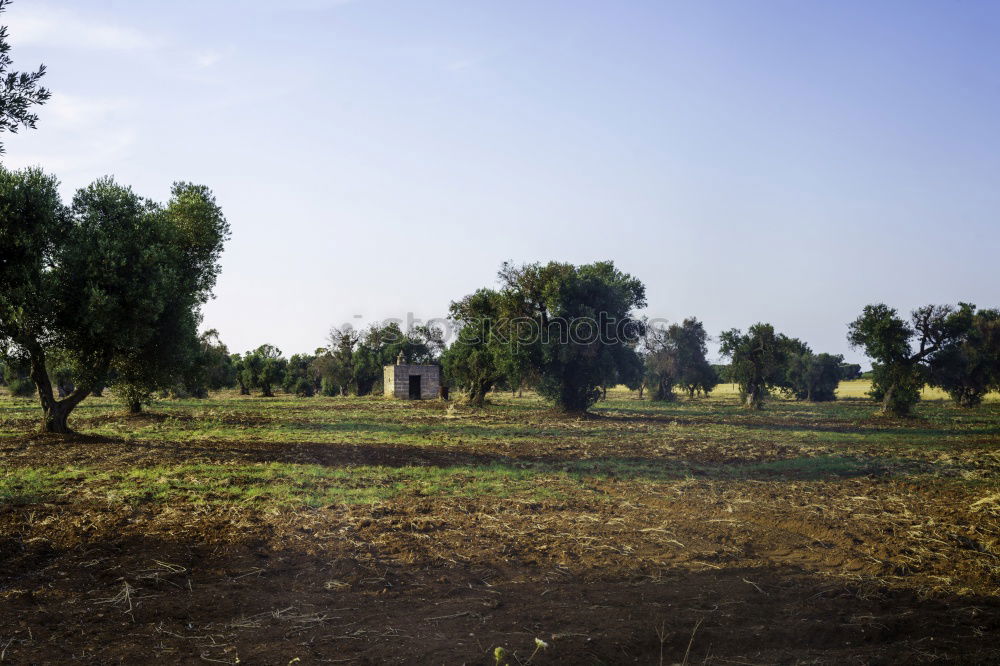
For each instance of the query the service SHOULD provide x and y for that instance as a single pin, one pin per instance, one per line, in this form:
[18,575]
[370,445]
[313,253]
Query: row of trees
[530,332]
[762,361]
[955,348]
[351,364]
[499,343]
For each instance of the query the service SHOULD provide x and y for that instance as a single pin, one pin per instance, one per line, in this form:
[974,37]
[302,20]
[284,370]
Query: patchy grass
[244,527]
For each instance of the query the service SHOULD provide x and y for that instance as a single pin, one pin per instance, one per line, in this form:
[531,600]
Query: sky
[777,161]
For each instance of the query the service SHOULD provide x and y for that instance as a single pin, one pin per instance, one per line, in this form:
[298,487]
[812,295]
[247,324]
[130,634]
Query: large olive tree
[575,326]
[969,367]
[113,284]
[901,350]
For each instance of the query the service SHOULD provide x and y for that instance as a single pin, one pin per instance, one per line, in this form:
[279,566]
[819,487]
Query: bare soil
[869,569]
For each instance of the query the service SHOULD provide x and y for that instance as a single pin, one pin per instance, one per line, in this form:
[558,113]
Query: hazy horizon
[781,162]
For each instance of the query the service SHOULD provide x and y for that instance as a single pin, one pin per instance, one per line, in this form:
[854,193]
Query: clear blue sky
[750,161]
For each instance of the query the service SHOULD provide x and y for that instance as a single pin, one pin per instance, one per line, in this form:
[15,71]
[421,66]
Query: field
[362,530]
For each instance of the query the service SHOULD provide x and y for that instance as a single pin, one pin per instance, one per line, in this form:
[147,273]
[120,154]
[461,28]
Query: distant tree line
[568,332]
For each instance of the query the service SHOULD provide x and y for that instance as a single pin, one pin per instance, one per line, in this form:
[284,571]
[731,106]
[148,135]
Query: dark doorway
[414,387]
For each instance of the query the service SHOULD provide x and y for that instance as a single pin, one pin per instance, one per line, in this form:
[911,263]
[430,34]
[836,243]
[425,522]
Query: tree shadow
[191,601]
[102,452]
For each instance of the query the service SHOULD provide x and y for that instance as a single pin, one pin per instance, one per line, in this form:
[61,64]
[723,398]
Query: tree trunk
[476,398]
[887,400]
[135,407]
[55,413]
[478,391]
[641,387]
[56,416]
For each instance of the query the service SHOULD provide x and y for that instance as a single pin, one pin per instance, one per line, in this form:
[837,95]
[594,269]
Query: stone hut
[411,382]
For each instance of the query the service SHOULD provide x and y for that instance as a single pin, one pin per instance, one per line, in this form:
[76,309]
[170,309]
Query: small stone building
[411,382]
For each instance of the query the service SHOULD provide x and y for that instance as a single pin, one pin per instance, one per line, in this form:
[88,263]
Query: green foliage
[19,91]
[335,364]
[573,325]
[661,365]
[676,356]
[214,368]
[304,388]
[263,369]
[969,367]
[21,388]
[722,372]
[112,285]
[899,372]
[475,361]
[850,371]
[813,377]
[759,360]
[15,376]
[301,377]
[188,235]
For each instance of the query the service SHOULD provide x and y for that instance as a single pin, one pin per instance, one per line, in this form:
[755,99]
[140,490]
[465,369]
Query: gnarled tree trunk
[755,397]
[55,413]
[477,392]
[55,417]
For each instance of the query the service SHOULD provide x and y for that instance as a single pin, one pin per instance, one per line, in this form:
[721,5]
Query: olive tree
[106,283]
[662,364]
[574,325]
[263,369]
[214,367]
[758,361]
[335,365]
[898,370]
[969,367]
[694,372]
[473,361]
[813,377]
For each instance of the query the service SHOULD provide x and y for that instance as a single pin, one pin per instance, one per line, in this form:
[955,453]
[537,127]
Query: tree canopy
[968,367]
[758,361]
[898,370]
[113,283]
[574,325]
[475,360]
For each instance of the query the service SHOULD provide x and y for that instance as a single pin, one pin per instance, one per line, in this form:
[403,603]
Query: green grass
[273,484]
[521,448]
[290,485]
